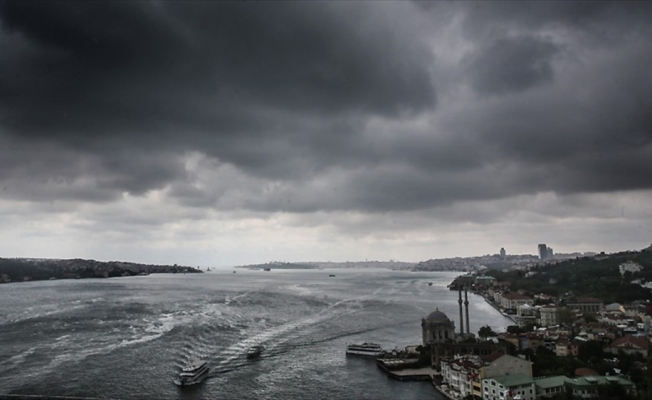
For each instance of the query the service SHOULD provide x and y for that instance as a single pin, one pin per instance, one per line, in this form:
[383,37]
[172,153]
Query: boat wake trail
[275,339]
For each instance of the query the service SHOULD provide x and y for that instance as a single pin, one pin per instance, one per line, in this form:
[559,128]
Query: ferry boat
[192,373]
[254,352]
[365,349]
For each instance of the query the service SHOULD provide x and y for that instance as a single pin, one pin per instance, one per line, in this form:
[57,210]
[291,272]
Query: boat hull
[365,353]
[189,382]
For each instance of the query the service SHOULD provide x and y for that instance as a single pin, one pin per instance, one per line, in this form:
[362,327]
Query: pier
[405,374]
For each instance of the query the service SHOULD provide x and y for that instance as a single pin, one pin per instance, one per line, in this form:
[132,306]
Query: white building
[629,266]
[459,373]
[548,316]
[508,387]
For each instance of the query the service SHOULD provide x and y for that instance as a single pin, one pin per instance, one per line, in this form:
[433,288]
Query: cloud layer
[453,113]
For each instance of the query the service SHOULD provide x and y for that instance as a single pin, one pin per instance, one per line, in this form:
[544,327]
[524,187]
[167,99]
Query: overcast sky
[217,134]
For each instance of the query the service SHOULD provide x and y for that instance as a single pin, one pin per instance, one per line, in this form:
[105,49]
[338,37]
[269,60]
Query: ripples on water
[127,338]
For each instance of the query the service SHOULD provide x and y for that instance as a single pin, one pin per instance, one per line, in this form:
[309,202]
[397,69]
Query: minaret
[466,306]
[461,313]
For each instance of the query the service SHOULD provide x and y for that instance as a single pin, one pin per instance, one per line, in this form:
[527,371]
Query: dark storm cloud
[149,67]
[248,83]
[307,106]
[512,64]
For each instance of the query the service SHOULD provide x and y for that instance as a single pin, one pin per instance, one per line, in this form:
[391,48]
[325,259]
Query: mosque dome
[437,316]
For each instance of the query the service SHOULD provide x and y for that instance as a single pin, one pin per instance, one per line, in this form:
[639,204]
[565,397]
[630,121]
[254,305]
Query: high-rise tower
[543,251]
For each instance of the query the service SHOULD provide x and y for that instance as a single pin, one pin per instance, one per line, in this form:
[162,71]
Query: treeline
[597,276]
[20,269]
[280,265]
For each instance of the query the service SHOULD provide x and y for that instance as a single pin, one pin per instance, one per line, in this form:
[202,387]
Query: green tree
[565,316]
[486,331]
[590,350]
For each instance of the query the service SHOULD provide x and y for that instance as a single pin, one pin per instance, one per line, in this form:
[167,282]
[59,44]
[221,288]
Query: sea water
[128,338]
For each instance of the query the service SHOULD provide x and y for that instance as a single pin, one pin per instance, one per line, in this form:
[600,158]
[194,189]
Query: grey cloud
[303,107]
[145,67]
[512,64]
[600,20]
[241,82]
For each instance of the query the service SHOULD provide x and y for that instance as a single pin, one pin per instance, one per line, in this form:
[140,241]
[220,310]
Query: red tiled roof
[516,296]
[493,356]
[586,300]
[638,342]
[585,372]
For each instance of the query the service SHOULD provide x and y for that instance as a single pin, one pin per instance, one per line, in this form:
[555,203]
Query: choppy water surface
[127,338]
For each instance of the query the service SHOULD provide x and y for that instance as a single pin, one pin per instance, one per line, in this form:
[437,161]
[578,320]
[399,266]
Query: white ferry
[365,349]
[192,373]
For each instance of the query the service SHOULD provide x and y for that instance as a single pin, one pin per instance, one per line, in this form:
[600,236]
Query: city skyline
[234,133]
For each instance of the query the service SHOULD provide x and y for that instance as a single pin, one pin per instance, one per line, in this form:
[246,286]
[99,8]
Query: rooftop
[551,381]
[513,380]
[599,380]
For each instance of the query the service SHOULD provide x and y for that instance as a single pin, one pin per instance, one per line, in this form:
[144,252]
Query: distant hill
[26,269]
[325,265]
[279,265]
[489,261]
[598,276]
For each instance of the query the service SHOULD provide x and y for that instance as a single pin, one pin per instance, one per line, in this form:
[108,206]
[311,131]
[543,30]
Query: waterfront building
[465,373]
[511,301]
[438,333]
[485,280]
[460,374]
[503,364]
[586,387]
[550,386]
[437,328]
[508,386]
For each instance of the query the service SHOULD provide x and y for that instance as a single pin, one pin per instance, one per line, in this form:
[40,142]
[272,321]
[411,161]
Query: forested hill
[597,276]
[25,269]
[280,265]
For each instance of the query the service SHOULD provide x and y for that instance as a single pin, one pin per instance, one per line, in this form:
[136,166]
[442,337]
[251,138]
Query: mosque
[438,333]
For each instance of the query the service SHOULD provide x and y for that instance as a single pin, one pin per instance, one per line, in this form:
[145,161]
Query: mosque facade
[438,333]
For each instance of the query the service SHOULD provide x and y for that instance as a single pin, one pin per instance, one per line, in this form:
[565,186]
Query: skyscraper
[543,251]
[502,253]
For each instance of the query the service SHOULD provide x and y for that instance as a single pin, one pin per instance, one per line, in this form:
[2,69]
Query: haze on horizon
[230,133]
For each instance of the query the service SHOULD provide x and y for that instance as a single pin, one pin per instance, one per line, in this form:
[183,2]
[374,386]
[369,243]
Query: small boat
[254,352]
[192,373]
[365,349]
[429,283]
[331,276]
[267,269]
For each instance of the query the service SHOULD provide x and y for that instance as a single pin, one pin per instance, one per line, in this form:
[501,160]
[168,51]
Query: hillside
[26,269]
[597,276]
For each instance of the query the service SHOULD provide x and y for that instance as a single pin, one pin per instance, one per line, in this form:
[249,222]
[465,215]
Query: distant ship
[267,269]
[365,349]
[331,276]
[192,373]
